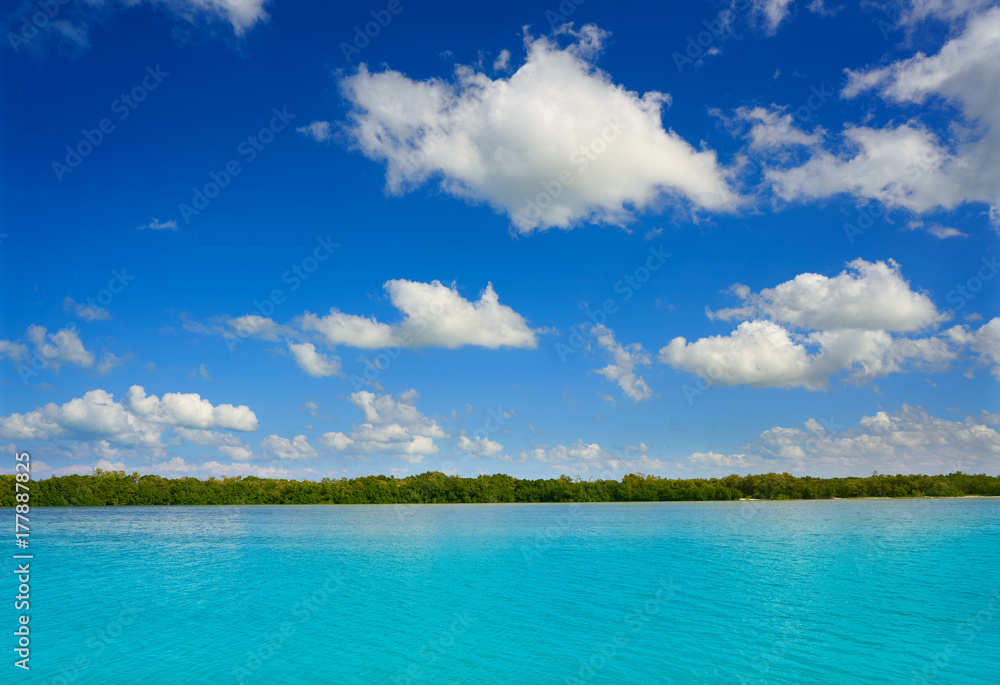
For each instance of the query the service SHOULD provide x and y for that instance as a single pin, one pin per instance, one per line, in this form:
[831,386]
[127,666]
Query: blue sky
[304,241]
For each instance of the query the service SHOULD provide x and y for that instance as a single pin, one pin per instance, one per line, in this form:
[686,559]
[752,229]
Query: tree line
[119,488]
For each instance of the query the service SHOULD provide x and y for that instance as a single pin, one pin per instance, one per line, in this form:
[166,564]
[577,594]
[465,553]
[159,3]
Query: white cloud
[869,296]
[236,451]
[188,410]
[987,418]
[157,225]
[908,165]
[317,130]
[718,460]
[139,421]
[480,446]
[241,14]
[580,452]
[13,350]
[772,128]
[61,347]
[773,12]
[507,142]
[761,354]
[73,26]
[936,230]
[85,311]
[254,326]
[227,443]
[643,464]
[393,426]
[207,438]
[502,62]
[283,448]
[434,315]
[590,458]
[622,370]
[904,441]
[848,323]
[312,362]
[870,354]
[915,11]
[607,398]
[95,416]
[108,362]
[386,409]
[985,342]
[178,467]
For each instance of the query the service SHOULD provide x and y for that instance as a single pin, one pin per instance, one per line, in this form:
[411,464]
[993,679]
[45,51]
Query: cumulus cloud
[283,448]
[435,315]
[866,295]
[908,440]
[206,437]
[14,351]
[845,323]
[555,144]
[580,452]
[772,128]
[624,360]
[391,425]
[108,362]
[312,362]
[227,443]
[138,421]
[502,62]
[985,342]
[85,311]
[317,130]
[901,440]
[480,446]
[241,14]
[773,12]
[94,416]
[916,11]
[761,354]
[591,458]
[62,347]
[53,350]
[908,165]
[255,326]
[718,460]
[188,410]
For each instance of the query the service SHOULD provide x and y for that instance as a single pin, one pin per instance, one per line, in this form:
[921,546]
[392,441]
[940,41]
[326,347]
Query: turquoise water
[880,591]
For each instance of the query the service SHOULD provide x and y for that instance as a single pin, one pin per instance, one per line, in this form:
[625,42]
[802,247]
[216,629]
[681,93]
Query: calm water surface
[884,591]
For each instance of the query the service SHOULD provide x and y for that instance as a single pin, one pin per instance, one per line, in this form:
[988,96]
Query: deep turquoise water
[887,591]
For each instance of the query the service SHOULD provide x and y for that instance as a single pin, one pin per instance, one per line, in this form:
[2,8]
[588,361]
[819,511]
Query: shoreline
[490,504]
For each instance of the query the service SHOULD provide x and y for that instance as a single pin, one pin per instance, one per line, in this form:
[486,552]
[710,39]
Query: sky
[324,240]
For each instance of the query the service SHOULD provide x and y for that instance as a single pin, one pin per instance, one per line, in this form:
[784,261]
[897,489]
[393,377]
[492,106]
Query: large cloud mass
[909,165]
[552,145]
[805,331]
[139,420]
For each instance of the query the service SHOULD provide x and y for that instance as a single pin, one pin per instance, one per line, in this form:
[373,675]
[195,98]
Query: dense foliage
[118,488]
